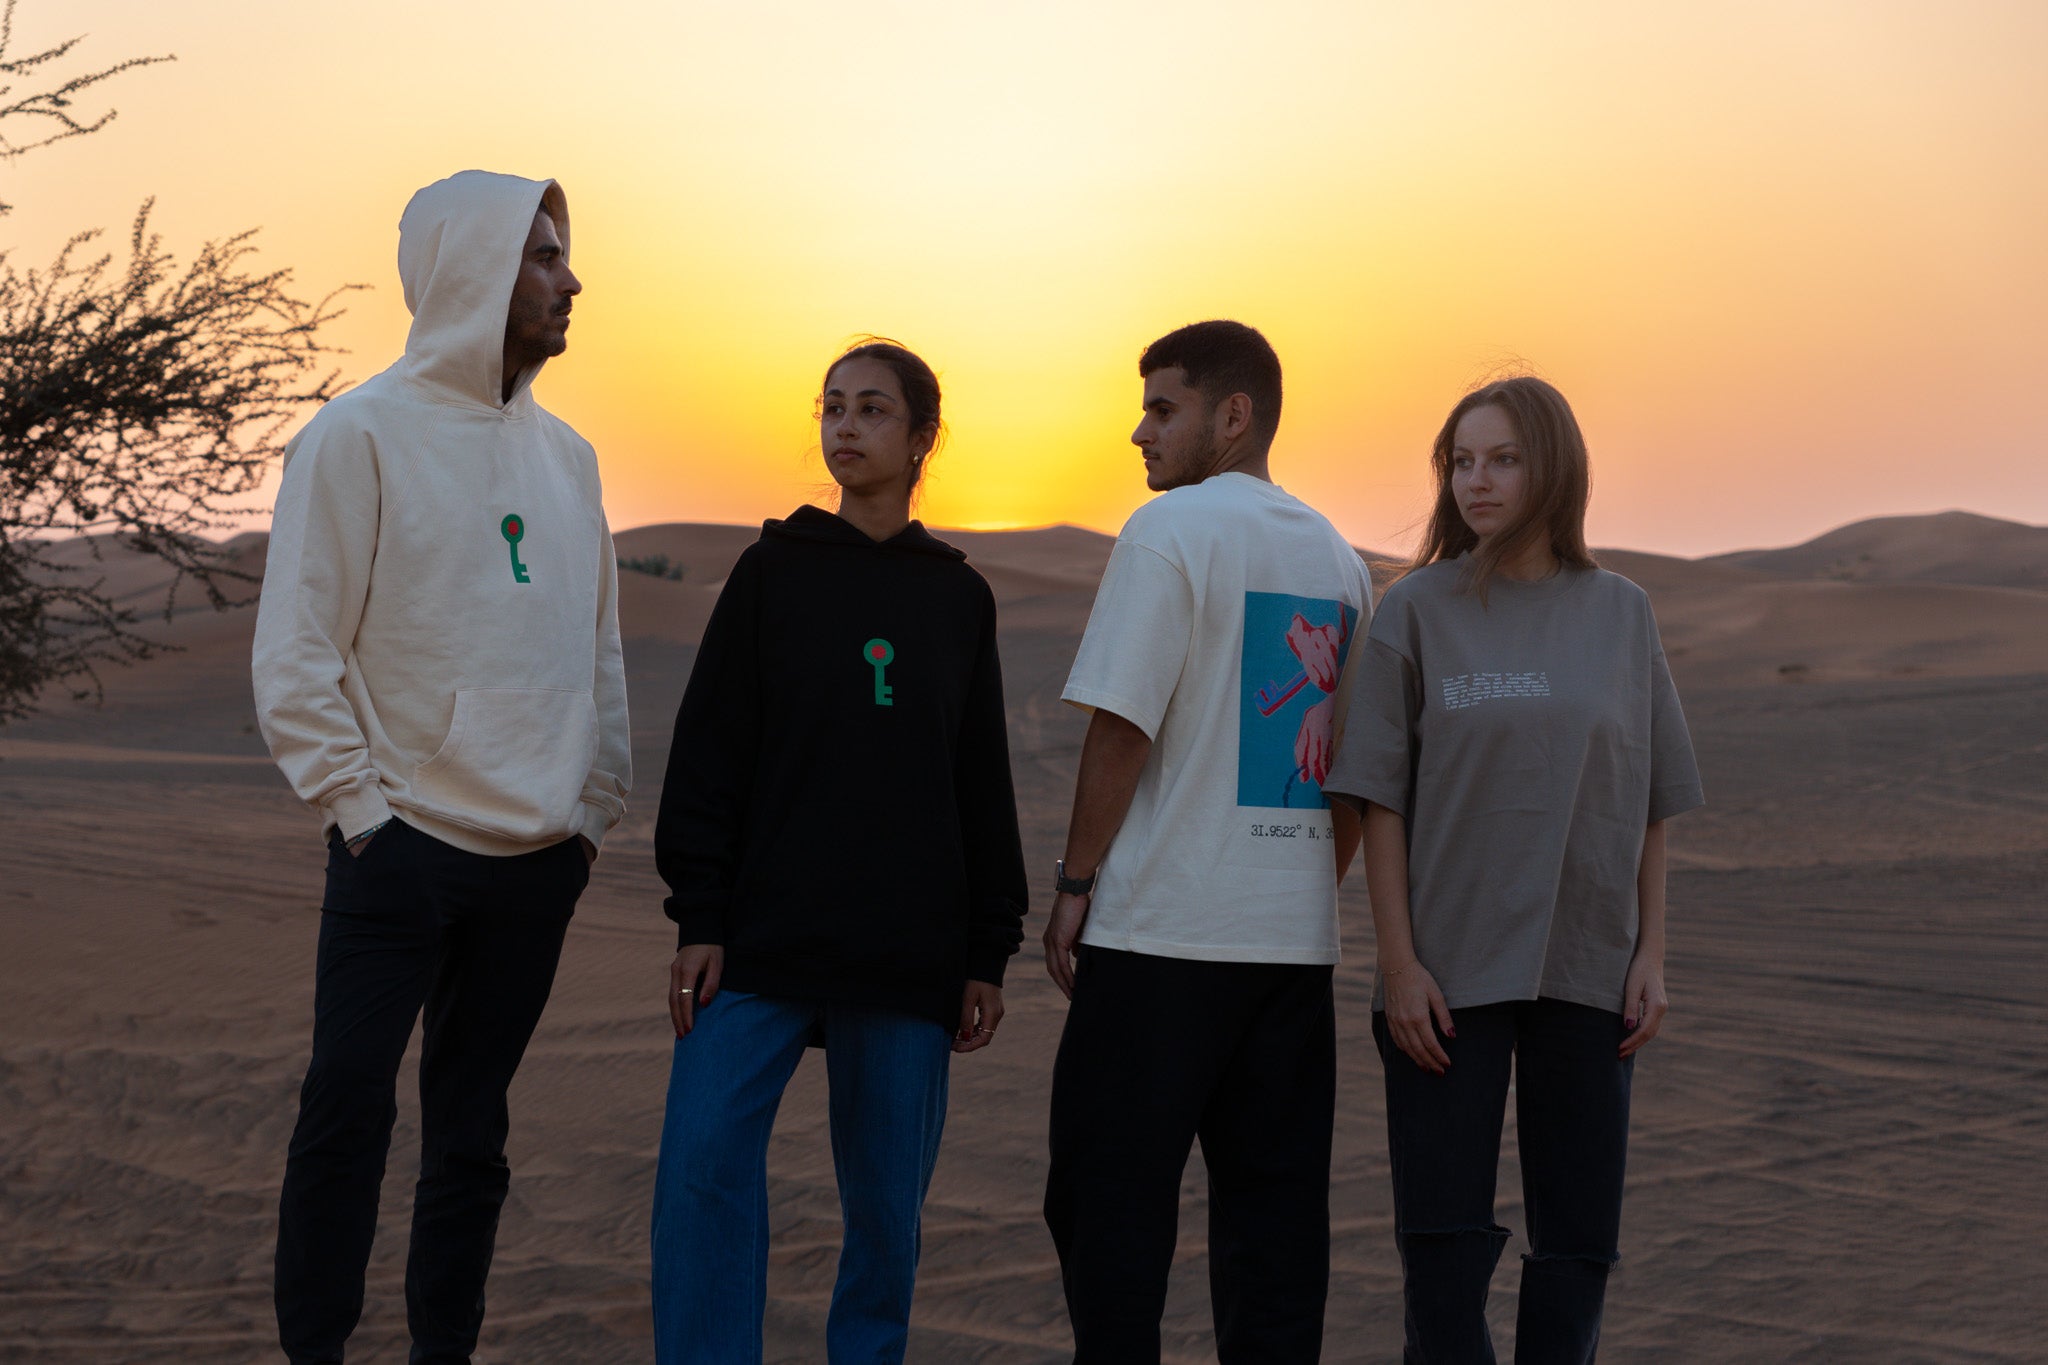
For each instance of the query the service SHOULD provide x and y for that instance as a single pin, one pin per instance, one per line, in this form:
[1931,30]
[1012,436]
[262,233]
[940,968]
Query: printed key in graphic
[880,653]
[513,528]
[1270,697]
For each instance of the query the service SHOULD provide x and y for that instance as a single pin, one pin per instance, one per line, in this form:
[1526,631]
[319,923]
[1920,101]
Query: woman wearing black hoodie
[839,835]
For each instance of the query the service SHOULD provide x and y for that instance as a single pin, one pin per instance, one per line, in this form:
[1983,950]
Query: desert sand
[1837,1141]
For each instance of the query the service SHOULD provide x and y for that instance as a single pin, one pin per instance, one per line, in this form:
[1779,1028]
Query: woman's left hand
[981,1009]
[1643,1002]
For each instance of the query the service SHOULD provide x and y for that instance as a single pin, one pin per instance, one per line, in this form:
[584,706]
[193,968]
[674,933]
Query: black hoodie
[838,810]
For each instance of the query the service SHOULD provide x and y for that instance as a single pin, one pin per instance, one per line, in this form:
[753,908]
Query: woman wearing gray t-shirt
[1510,731]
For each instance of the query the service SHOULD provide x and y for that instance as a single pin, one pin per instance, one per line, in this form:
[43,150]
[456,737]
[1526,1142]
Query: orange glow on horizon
[1785,261]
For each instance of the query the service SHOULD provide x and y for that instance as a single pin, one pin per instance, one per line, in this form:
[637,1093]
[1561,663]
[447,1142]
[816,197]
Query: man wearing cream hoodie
[437,671]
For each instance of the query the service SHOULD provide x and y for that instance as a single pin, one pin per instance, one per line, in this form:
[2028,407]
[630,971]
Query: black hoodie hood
[815,523]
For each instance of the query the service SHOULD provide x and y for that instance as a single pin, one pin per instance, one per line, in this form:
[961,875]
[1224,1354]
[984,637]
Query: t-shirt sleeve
[1674,772]
[1137,639]
[1379,705]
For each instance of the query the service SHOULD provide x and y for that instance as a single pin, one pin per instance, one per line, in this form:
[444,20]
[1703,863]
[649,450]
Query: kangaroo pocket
[513,763]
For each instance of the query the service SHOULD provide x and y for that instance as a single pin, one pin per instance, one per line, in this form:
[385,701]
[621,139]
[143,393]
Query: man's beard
[1196,470]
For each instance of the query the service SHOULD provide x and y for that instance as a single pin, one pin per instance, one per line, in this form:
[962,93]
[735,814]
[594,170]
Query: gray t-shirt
[1527,743]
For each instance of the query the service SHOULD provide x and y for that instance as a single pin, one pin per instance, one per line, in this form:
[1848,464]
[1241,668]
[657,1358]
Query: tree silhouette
[136,404]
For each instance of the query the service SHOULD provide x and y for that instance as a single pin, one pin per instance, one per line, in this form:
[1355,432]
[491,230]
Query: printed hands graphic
[1313,747]
[1317,648]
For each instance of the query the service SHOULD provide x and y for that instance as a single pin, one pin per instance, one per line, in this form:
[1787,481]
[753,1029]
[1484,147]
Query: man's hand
[1062,932]
[1113,754]
[589,849]
[1316,647]
[981,1009]
[693,981]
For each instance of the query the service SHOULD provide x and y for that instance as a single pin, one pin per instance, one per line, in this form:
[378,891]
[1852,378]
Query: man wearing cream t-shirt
[1195,922]
[438,673]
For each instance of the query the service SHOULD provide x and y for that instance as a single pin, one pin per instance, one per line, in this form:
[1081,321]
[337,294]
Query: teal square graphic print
[1294,650]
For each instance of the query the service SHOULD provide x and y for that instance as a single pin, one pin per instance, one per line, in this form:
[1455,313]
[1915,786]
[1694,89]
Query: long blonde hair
[1554,505]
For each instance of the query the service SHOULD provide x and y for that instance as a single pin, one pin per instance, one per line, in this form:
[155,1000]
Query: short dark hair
[920,388]
[1554,503]
[1221,358]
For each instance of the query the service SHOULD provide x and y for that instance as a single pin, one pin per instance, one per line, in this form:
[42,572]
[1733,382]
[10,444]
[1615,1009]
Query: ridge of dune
[1808,631]
[1955,547]
[1727,620]
[134,579]
[1934,547]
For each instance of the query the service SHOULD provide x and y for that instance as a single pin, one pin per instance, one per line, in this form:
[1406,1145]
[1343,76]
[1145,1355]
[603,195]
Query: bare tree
[136,404]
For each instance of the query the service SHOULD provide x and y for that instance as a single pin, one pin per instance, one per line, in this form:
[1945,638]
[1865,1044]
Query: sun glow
[1755,245]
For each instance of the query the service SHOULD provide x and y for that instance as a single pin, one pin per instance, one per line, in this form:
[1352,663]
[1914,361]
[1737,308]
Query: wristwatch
[1071,886]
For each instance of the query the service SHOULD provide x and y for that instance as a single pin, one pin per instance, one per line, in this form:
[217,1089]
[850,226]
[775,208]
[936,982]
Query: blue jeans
[887,1076]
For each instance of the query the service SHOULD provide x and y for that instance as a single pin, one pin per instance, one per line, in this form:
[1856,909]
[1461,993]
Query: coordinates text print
[1296,830]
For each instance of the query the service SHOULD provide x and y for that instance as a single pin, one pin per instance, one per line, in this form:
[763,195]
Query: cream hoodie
[438,636]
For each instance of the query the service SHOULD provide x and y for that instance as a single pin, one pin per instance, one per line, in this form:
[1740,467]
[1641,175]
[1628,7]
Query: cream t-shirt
[1220,630]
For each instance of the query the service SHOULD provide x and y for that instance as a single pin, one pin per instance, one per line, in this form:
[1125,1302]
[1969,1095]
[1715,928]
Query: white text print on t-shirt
[1470,689]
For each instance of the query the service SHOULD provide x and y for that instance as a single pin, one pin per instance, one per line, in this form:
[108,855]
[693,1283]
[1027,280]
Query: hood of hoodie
[816,524]
[460,241]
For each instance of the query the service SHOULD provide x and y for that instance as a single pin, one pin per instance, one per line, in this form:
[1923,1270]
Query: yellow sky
[1786,260]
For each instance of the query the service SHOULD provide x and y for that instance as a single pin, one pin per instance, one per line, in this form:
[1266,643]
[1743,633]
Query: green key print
[881,654]
[513,528]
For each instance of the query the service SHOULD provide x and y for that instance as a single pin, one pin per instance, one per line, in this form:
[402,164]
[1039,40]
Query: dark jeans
[1157,1052]
[1443,1134]
[475,940]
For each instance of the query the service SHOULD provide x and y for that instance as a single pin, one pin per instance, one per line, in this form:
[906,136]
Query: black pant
[414,921]
[1157,1052]
[1443,1134]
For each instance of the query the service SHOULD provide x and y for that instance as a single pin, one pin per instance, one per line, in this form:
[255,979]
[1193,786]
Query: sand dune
[1836,1145]
[1951,594]
[1945,547]
[1801,632]
[133,579]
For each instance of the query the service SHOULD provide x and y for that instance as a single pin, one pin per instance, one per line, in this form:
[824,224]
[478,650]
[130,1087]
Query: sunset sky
[1789,261]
